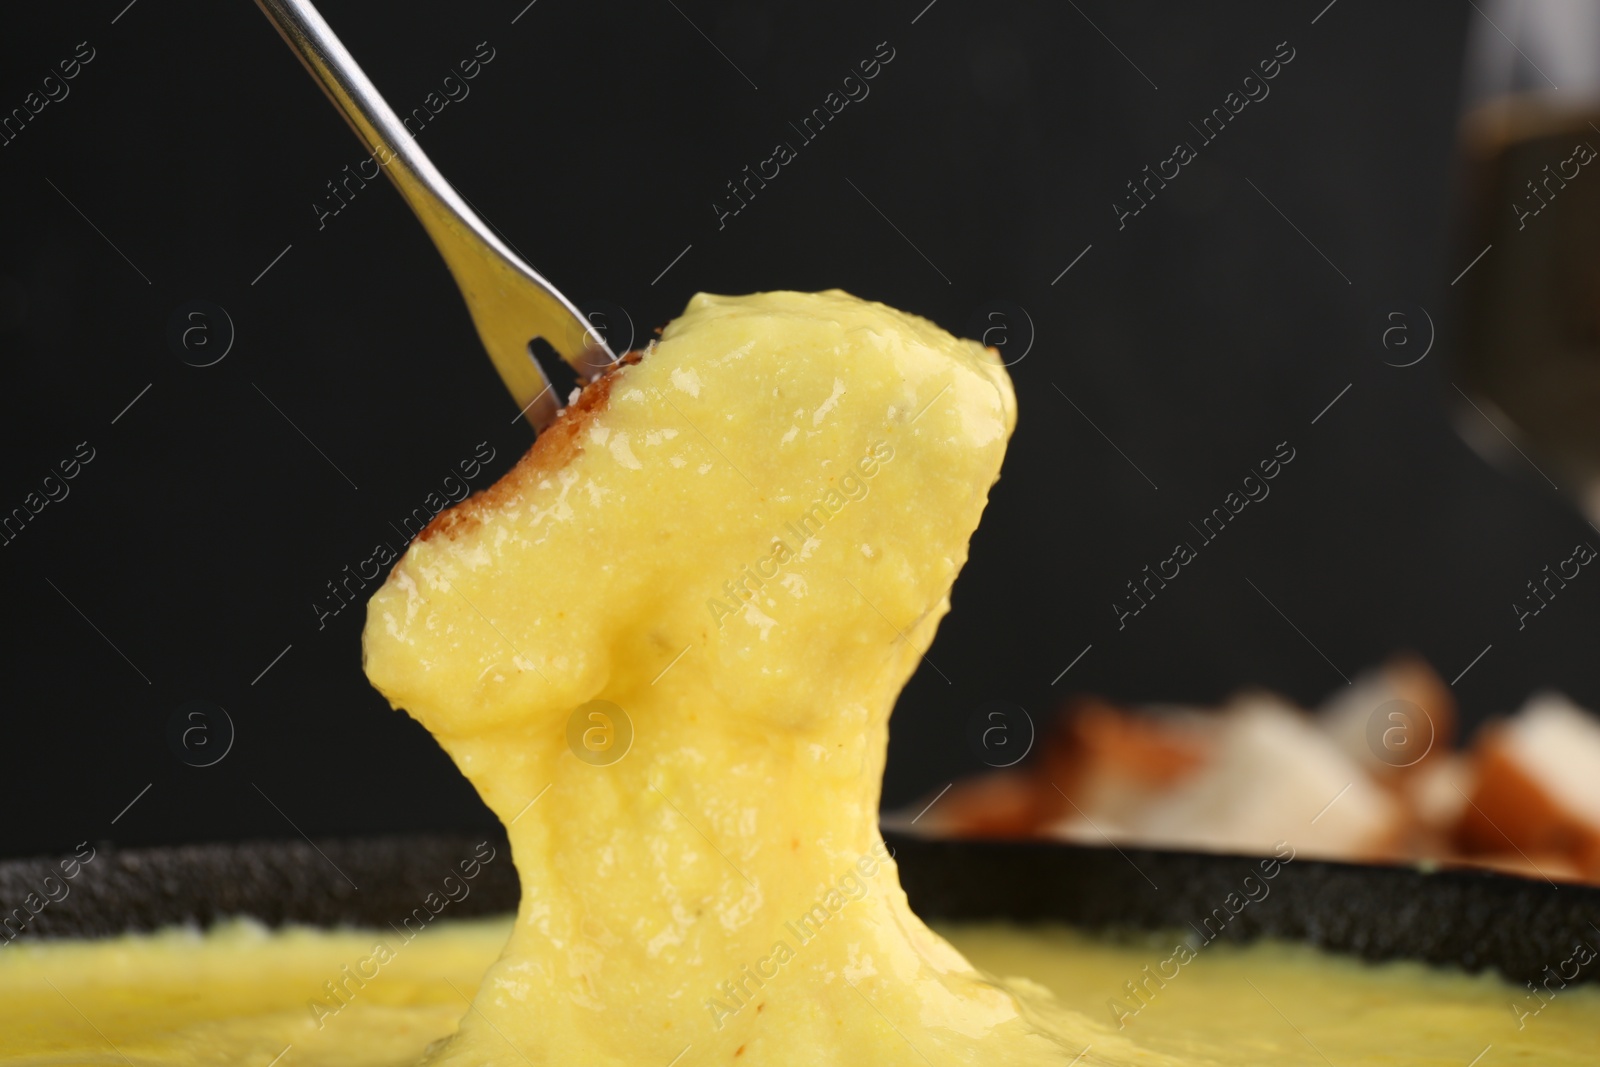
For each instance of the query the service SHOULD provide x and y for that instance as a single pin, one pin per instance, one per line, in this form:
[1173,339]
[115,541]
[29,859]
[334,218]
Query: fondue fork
[511,303]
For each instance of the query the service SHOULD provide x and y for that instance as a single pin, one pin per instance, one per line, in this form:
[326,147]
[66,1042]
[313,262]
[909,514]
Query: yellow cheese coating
[744,559]
[238,996]
[242,996]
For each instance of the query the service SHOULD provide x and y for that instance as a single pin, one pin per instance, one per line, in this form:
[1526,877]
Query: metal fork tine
[510,302]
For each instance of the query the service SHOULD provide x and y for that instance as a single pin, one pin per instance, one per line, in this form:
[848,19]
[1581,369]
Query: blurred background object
[1530,354]
[1371,777]
[262,379]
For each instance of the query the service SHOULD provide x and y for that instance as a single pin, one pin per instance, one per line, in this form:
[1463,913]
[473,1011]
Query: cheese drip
[740,547]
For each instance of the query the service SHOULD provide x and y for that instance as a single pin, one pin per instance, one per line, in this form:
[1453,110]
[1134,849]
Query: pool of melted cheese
[243,995]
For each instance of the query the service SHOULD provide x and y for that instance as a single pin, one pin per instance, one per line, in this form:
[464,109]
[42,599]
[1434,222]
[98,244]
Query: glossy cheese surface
[242,995]
[238,995]
[727,563]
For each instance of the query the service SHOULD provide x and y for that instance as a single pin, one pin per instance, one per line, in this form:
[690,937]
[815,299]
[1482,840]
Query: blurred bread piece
[1398,723]
[1271,775]
[1107,762]
[1154,747]
[1538,787]
[1105,758]
[1435,794]
[999,804]
[1373,723]
[1258,771]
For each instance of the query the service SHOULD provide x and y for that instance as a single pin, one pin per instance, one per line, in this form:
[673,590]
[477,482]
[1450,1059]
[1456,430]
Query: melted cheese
[238,995]
[732,574]
[242,995]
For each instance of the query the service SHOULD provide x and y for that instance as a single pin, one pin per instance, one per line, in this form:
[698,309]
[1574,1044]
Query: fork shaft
[510,302]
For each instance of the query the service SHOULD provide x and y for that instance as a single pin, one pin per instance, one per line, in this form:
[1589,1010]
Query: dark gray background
[1196,339]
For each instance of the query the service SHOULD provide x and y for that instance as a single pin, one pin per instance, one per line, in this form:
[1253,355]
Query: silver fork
[510,302]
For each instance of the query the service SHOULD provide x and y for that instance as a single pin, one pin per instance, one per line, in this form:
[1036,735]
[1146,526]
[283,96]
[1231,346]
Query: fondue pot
[1467,918]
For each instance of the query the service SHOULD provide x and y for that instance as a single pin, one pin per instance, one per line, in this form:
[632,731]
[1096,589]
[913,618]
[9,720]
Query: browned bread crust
[552,449]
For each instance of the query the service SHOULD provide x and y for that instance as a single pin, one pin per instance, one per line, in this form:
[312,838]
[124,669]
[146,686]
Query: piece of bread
[552,449]
[1005,804]
[1272,776]
[1393,720]
[1538,787]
